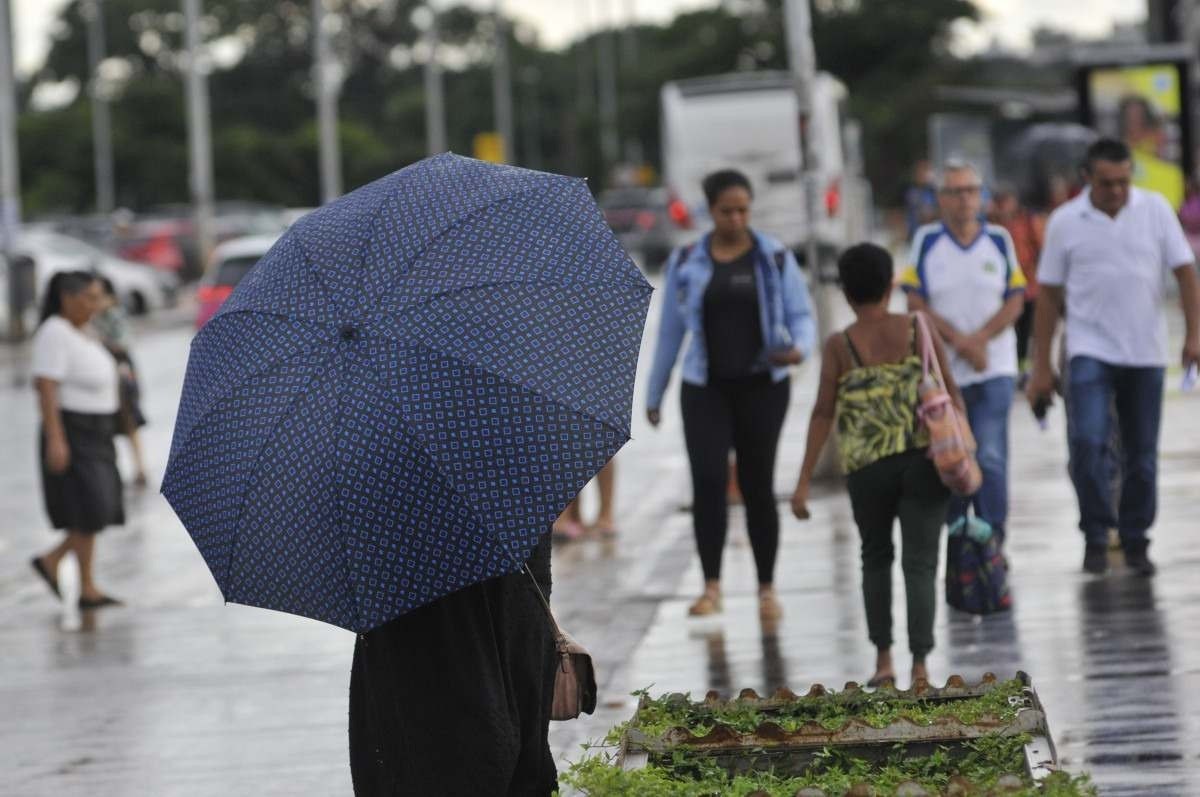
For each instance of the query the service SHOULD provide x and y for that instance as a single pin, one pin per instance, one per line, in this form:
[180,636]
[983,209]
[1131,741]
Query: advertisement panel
[1144,106]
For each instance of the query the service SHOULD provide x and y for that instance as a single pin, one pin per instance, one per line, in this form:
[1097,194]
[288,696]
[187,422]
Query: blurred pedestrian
[740,298]
[112,324]
[570,526]
[76,382]
[870,374]
[454,697]
[1026,229]
[920,198]
[1106,255]
[964,274]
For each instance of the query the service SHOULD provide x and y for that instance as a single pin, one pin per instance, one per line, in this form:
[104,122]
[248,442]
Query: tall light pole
[102,146]
[10,178]
[502,101]
[199,132]
[327,84]
[531,155]
[435,104]
[606,64]
[803,62]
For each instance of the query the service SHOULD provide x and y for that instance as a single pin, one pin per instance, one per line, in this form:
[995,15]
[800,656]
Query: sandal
[87,604]
[605,530]
[882,679]
[769,607]
[567,531]
[706,604]
[40,569]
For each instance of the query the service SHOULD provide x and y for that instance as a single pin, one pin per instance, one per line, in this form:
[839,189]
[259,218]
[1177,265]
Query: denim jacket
[783,304]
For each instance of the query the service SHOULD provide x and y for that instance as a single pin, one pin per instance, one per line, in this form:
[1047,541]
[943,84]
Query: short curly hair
[865,273]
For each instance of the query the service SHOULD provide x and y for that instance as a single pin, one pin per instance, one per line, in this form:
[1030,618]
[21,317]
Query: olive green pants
[904,486]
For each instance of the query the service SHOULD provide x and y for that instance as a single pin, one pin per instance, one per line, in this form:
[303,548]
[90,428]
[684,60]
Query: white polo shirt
[967,285]
[1113,271]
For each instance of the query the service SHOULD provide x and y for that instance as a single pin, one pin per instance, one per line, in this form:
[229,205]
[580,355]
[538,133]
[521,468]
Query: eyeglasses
[962,190]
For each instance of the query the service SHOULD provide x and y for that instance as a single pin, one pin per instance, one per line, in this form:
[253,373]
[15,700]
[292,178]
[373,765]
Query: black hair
[107,285]
[865,272]
[64,283]
[720,181]
[1106,149]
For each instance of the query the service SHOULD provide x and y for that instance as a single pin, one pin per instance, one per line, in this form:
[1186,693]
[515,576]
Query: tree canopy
[261,89]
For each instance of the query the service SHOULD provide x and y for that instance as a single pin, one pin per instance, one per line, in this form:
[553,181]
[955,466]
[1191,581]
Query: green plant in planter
[655,716]
[985,762]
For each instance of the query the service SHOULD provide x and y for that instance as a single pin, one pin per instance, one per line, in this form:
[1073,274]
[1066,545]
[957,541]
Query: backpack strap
[780,260]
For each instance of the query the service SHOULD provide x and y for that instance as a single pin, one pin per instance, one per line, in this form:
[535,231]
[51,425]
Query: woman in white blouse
[76,382]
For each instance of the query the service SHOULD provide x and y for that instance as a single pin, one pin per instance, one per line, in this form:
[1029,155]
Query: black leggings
[747,415]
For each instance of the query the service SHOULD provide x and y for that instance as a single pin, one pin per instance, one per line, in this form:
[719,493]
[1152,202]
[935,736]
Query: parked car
[141,288]
[230,262]
[647,222]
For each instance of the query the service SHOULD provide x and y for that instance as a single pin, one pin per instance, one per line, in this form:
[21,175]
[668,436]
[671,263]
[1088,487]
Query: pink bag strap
[929,359]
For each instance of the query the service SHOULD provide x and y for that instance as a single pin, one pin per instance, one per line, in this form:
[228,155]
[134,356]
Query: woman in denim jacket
[740,298]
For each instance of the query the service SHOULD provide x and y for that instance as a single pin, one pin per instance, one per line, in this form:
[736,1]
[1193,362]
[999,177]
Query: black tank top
[732,322]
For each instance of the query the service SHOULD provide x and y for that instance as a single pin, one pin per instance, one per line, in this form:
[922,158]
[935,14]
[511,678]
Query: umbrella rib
[541,281]
[267,438]
[225,394]
[455,356]
[415,435]
[564,188]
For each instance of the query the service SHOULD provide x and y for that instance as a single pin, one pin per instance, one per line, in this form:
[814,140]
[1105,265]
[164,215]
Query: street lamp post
[502,101]
[435,105]
[102,146]
[327,89]
[606,64]
[10,179]
[199,132]
[803,62]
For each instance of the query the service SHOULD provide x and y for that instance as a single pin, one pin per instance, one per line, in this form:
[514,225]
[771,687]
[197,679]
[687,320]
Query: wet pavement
[178,694]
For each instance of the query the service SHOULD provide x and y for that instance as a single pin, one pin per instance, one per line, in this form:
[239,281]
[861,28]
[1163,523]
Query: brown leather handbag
[575,677]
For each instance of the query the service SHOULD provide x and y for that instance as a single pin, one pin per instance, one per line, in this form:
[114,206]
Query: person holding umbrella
[740,297]
[378,429]
[76,382]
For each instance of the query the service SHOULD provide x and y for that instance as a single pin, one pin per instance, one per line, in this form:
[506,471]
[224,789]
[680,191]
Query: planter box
[770,746]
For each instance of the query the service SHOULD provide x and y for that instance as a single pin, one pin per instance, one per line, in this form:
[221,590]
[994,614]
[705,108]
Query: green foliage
[890,54]
[984,762]
[831,711]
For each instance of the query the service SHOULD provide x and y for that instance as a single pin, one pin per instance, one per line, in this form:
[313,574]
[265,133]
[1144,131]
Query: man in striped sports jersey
[963,273]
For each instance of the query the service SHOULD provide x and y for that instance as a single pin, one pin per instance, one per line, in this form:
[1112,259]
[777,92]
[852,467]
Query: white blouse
[84,370]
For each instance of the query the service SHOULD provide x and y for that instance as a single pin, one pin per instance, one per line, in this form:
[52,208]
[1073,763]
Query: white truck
[750,121]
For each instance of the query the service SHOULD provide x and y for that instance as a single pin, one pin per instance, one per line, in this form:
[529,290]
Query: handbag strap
[558,634]
[929,359]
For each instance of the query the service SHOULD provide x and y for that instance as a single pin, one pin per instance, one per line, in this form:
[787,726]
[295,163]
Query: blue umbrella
[406,390]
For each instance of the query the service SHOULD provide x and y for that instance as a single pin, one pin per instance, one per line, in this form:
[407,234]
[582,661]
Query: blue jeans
[988,404]
[1137,394]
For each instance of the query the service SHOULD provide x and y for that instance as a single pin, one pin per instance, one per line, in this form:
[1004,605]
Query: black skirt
[87,496]
[453,699]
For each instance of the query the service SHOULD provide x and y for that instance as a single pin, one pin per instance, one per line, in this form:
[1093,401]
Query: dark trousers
[1136,393]
[904,486]
[747,416]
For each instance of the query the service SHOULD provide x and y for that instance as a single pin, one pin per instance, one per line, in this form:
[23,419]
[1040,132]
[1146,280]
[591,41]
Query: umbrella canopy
[406,390]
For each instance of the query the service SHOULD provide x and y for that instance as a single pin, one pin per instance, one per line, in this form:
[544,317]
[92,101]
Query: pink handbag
[951,444]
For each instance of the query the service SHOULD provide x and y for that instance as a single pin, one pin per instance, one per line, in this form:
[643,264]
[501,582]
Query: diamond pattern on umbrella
[405,392]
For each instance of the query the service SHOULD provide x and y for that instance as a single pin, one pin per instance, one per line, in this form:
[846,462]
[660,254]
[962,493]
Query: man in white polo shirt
[1108,252]
[964,274]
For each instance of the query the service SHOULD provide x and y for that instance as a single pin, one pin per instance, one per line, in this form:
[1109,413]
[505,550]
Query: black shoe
[99,603]
[1095,559]
[1137,561]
